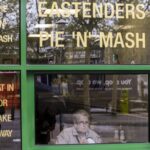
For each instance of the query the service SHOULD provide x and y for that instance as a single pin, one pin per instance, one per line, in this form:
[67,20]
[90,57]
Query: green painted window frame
[27,93]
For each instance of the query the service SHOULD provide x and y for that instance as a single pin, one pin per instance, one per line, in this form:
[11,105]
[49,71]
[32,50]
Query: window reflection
[9,32]
[92,53]
[117,105]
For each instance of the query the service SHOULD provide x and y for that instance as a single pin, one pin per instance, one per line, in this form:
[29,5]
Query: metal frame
[27,93]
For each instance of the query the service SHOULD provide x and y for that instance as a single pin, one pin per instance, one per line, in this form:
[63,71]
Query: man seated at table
[80,132]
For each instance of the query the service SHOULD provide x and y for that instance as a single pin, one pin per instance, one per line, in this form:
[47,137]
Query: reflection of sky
[32,15]
[110,22]
[33,19]
[11,17]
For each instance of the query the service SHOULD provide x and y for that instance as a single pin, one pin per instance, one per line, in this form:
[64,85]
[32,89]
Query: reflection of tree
[82,25]
[86,25]
[131,56]
[34,51]
[134,55]
[77,24]
[11,17]
[32,20]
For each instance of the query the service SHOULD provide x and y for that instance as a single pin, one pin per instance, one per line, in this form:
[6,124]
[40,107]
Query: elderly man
[80,133]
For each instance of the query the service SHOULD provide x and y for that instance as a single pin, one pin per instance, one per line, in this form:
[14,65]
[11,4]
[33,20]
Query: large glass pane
[88,32]
[9,32]
[10,130]
[91,108]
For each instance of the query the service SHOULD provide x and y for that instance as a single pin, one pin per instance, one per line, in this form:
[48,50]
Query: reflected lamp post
[61,25]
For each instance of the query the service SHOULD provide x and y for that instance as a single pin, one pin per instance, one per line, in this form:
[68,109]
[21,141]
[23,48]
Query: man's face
[82,124]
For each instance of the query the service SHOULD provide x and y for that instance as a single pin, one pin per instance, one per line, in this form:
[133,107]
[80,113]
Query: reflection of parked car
[100,100]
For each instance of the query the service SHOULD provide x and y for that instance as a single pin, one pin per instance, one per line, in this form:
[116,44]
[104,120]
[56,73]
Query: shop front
[74,74]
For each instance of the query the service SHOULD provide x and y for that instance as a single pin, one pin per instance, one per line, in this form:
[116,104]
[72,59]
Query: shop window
[9,29]
[10,122]
[114,38]
[117,105]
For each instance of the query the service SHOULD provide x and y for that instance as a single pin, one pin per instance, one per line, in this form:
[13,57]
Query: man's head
[81,121]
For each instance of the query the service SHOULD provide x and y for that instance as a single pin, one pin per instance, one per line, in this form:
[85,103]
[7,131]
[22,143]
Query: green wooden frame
[27,94]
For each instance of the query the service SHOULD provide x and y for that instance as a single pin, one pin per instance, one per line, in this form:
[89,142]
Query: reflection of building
[78,57]
[100,91]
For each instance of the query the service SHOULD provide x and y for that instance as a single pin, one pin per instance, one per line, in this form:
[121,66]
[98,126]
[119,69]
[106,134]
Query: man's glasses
[83,123]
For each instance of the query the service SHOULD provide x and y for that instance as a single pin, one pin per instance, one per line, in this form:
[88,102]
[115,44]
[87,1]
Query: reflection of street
[130,127]
[14,142]
[119,118]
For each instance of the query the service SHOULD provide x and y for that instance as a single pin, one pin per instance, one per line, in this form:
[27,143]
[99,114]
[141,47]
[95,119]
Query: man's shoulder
[68,130]
[93,133]
[96,137]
